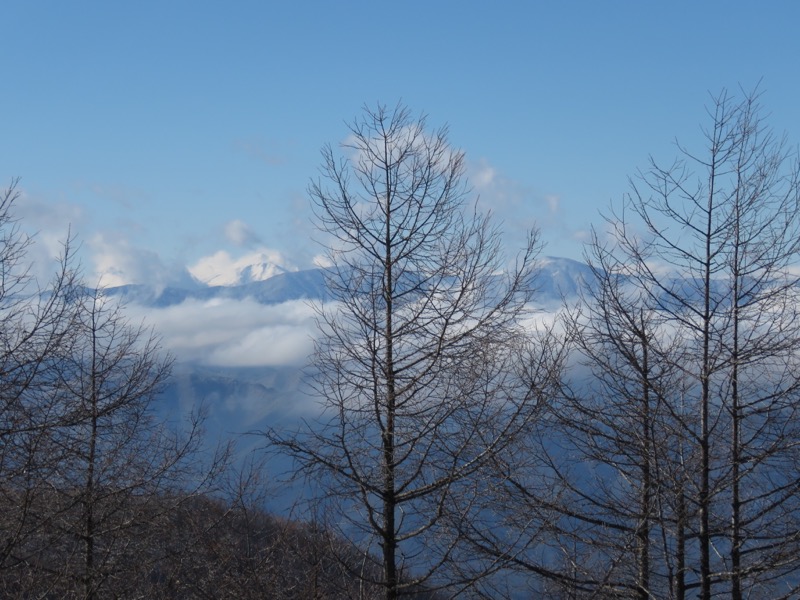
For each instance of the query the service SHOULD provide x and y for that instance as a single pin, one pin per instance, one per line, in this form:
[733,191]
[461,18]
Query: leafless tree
[622,458]
[760,340]
[672,452]
[730,236]
[418,364]
[121,471]
[35,326]
[580,511]
[88,471]
[736,243]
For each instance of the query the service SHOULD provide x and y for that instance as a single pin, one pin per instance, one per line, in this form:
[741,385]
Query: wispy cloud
[241,234]
[118,262]
[508,198]
[49,224]
[261,150]
[520,206]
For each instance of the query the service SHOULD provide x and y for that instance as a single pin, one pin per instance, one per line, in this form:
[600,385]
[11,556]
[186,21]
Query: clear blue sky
[150,126]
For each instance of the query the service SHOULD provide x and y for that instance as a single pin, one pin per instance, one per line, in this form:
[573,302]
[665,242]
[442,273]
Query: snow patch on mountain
[222,269]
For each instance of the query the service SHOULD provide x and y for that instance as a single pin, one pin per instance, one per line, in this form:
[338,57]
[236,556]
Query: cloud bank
[234,333]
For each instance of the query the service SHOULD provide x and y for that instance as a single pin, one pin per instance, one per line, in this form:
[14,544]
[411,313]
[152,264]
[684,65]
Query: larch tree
[673,455]
[36,325]
[421,360]
[620,421]
[712,242]
[114,458]
[732,233]
[580,511]
[124,472]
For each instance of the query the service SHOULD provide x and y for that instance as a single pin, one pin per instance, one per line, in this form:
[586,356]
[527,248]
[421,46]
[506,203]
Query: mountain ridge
[554,278]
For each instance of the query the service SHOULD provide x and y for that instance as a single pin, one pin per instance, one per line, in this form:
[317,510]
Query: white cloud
[515,206]
[553,203]
[106,257]
[241,234]
[506,197]
[227,332]
[118,262]
[583,236]
[322,260]
[482,175]
[519,207]
[49,225]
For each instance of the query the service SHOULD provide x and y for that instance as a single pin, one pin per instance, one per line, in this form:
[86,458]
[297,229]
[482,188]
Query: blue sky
[167,132]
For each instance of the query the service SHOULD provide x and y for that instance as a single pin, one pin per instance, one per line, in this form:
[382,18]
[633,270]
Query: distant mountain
[555,278]
[559,278]
[291,285]
[221,269]
[245,399]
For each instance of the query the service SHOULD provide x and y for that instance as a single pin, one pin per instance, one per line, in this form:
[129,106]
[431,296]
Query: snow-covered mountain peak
[267,278]
[221,269]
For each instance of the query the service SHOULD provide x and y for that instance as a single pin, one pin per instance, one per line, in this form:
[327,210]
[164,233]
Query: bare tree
[121,471]
[582,510]
[418,362]
[113,450]
[622,459]
[730,238]
[35,326]
[761,342]
[672,456]
[736,242]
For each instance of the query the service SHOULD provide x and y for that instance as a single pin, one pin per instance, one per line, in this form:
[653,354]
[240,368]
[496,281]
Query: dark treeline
[643,444]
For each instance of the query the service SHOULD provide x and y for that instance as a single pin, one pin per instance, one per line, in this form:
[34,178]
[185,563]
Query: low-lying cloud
[234,333]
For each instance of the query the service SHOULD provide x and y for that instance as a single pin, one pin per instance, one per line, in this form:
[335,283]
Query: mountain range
[554,279]
[264,317]
[240,398]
